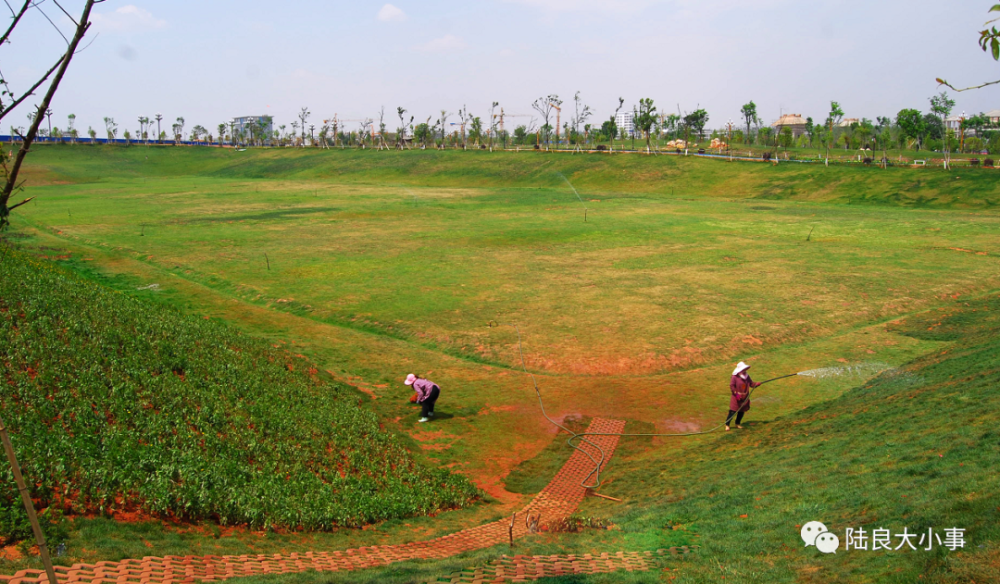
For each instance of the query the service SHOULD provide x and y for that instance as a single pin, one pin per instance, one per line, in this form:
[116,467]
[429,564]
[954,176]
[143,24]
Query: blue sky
[210,60]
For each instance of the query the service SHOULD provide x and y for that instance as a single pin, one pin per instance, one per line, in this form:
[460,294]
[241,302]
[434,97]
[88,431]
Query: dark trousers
[739,417]
[427,406]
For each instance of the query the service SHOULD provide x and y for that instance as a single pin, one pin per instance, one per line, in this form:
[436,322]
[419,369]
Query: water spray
[566,180]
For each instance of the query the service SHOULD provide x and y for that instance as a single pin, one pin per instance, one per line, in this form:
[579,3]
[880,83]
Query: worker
[739,388]
[427,394]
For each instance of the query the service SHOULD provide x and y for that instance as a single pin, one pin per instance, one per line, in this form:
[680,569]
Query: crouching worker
[427,393]
[739,388]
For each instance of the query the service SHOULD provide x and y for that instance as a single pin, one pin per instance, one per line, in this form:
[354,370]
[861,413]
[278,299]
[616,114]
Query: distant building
[244,124]
[624,122]
[794,121]
[848,122]
[993,115]
[953,123]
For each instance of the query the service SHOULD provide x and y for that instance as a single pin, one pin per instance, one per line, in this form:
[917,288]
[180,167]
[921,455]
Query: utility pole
[29,507]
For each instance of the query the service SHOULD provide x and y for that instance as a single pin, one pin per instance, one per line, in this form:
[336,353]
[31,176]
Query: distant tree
[786,138]
[443,122]
[934,128]
[476,131]
[71,127]
[303,115]
[614,124]
[112,129]
[544,106]
[941,105]
[421,132]
[93,135]
[832,119]
[222,132]
[127,136]
[178,129]
[198,132]
[749,111]
[159,133]
[401,132]
[521,135]
[810,130]
[670,122]
[911,125]
[582,113]
[645,118]
[696,121]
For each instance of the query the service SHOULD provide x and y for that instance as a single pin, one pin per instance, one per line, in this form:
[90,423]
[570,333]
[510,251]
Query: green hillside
[118,405]
[624,175]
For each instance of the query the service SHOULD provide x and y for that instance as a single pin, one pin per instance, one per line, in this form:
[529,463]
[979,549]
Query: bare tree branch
[17,17]
[943,82]
[66,13]
[12,207]
[37,7]
[30,92]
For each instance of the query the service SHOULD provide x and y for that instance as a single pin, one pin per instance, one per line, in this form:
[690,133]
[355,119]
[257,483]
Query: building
[848,122]
[993,115]
[624,122]
[794,121]
[245,124]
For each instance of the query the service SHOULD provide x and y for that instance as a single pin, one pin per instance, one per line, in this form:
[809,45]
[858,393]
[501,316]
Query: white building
[624,122]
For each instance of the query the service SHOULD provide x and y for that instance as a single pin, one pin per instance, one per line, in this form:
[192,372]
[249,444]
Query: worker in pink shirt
[427,394]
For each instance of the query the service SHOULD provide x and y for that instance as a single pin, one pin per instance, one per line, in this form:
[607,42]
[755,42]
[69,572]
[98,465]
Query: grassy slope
[916,448]
[621,175]
[118,405]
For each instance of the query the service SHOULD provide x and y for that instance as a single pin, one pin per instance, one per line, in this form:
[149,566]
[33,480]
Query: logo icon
[815,533]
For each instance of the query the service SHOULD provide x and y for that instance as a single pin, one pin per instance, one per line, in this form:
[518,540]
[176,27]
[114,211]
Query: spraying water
[866,369]
[570,186]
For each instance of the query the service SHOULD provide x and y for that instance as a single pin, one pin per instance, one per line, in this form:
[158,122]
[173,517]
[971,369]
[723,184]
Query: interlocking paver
[556,501]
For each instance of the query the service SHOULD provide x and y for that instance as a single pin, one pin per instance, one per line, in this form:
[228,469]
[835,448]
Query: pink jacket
[423,388]
[740,389]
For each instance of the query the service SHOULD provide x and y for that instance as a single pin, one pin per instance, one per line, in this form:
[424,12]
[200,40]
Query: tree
[614,124]
[10,164]
[93,135]
[159,132]
[696,121]
[71,127]
[198,132]
[749,111]
[112,129]
[520,135]
[443,120]
[222,132]
[911,125]
[544,107]
[810,130]
[178,129]
[644,119]
[941,105]
[989,42]
[582,113]
[304,114]
[832,120]
[401,132]
[786,137]
[476,130]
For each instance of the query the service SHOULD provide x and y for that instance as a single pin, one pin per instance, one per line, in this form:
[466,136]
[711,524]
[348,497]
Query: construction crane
[558,117]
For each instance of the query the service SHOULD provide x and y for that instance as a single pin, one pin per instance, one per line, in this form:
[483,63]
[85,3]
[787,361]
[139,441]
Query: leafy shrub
[115,404]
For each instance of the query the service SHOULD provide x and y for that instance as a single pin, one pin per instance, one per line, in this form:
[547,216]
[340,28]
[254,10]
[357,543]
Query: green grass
[116,405]
[383,264]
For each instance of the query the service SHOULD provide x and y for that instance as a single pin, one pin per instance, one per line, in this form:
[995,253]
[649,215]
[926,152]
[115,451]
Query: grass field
[633,300]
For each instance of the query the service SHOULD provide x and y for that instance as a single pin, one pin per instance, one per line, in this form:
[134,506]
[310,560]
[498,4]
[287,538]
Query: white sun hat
[741,366]
[411,378]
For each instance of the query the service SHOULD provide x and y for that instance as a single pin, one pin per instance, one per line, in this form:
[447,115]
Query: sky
[211,60]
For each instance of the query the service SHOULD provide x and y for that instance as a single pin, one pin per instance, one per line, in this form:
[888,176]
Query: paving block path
[558,500]
[529,568]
